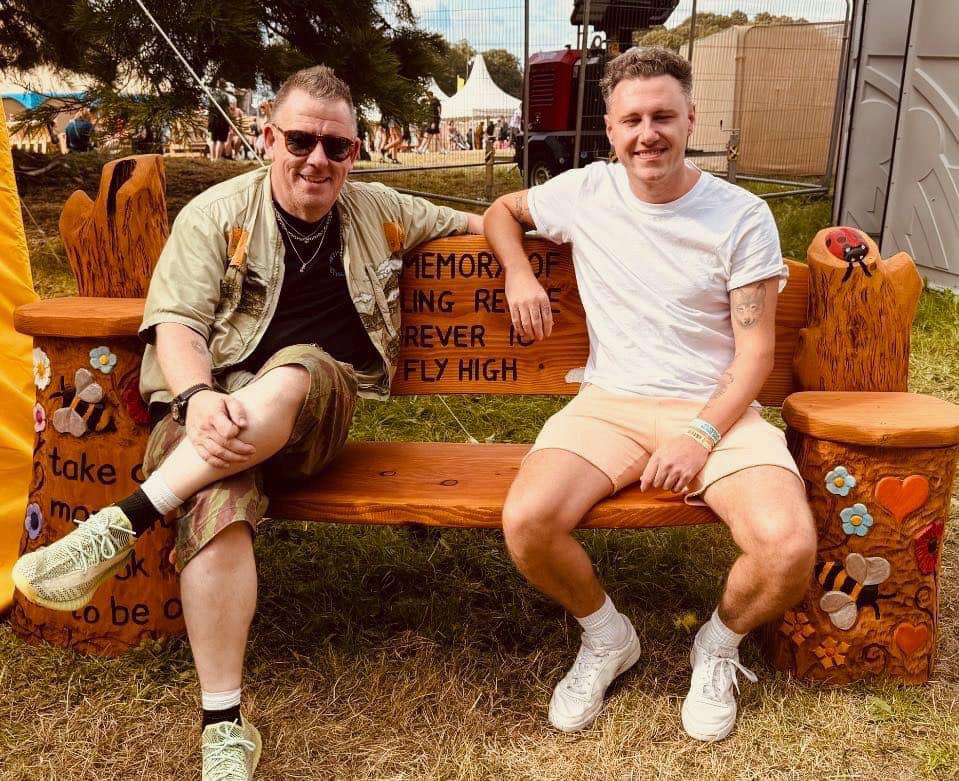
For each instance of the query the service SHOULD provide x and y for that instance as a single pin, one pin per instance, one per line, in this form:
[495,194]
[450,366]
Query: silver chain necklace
[293,234]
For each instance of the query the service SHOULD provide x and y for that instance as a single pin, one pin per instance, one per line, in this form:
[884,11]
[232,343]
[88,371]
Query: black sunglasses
[300,143]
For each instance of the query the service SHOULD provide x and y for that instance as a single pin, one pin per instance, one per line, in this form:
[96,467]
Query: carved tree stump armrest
[80,317]
[879,471]
[895,420]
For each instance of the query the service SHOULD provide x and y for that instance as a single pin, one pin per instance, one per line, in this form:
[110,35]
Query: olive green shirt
[221,270]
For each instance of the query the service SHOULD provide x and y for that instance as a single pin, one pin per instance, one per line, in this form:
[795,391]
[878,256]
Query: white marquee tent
[479,98]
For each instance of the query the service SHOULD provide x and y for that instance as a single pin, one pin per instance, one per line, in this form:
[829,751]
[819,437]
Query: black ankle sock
[216,716]
[140,510]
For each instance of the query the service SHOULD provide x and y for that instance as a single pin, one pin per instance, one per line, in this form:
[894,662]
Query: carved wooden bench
[879,462]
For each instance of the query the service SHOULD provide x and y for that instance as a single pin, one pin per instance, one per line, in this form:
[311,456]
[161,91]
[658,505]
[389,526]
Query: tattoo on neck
[749,303]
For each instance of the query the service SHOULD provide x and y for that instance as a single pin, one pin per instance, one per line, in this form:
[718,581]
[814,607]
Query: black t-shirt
[315,306]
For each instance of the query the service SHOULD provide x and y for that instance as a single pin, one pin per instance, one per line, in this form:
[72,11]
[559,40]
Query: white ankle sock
[159,494]
[220,700]
[717,636]
[607,626]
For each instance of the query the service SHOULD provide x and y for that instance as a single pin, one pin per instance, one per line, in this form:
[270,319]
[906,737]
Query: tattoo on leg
[748,304]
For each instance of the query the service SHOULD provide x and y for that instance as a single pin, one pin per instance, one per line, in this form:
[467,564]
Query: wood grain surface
[449,484]
[113,242]
[77,317]
[900,420]
[859,324]
[906,531]
[73,476]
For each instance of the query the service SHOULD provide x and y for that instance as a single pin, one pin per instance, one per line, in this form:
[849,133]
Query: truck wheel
[542,168]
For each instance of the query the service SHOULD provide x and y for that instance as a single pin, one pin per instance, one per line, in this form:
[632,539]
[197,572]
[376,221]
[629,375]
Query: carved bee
[851,587]
[83,407]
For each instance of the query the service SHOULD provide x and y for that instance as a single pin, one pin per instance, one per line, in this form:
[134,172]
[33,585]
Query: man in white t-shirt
[679,273]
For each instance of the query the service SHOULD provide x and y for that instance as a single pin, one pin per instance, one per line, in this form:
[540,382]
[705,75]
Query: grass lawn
[381,653]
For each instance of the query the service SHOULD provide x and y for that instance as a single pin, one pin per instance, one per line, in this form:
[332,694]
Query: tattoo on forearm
[748,304]
[724,382]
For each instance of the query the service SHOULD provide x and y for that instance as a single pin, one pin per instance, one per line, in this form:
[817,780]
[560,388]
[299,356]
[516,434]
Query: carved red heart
[902,497]
[910,638]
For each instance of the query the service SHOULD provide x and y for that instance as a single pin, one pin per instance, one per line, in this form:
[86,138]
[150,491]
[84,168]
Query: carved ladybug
[848,245]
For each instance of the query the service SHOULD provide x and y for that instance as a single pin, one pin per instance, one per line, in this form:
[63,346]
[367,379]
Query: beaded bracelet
[707,428]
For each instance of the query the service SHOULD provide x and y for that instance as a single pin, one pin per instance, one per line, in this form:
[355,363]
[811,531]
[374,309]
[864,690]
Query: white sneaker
[578,698]
[709,711]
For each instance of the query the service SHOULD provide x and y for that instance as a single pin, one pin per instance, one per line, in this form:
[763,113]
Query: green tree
[455,62]
[373,44]
[505,70]
[676,38]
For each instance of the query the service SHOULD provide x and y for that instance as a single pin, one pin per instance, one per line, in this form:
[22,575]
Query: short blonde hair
[644,63]
[320,83]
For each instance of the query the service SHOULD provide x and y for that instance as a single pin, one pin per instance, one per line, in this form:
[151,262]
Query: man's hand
[674,464]
[529,306]
[213,424]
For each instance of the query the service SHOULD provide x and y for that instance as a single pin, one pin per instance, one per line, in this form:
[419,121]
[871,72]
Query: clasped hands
[214,422]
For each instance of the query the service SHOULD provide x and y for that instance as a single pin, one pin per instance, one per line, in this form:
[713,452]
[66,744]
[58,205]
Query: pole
[584,52]
[524,113]
[692,33]
[490,154]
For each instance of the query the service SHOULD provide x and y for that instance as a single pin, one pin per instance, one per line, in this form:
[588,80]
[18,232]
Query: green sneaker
[65,575]
[230,751]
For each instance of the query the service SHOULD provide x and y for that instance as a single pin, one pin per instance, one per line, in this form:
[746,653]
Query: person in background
[216,121]
[79,132]
[264,113]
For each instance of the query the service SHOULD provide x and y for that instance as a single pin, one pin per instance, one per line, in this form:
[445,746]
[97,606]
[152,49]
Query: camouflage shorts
[319,433]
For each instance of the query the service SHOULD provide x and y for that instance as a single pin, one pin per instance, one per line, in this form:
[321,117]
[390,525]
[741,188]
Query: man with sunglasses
[274,304]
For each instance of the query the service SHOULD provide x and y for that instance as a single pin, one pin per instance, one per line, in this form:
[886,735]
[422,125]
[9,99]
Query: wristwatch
[179,404]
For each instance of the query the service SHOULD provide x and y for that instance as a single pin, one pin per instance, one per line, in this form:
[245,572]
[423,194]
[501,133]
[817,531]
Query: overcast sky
[498,24]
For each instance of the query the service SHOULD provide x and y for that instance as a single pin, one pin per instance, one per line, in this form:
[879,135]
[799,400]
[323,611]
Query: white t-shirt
[655,278]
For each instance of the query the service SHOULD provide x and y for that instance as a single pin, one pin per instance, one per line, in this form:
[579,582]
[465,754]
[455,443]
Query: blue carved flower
[856,520]
[33,522]
[839,481]
[101,358]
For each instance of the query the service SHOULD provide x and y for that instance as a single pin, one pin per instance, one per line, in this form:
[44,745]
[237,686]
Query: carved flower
[33,521]
[856,520]
[831,653]
[103,359]
[796,626]
[41,368]
[134,404]
[840,482]
[39,417]
[926,545]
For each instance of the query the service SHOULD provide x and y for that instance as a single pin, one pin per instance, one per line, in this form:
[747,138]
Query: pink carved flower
[39,417]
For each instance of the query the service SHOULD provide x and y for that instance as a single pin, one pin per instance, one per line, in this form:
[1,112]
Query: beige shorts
[616,433]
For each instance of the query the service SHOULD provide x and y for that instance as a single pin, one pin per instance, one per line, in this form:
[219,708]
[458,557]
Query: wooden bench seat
[449,484]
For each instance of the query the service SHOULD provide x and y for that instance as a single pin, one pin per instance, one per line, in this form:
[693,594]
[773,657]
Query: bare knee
[227,551]
[786,546]
[529,524]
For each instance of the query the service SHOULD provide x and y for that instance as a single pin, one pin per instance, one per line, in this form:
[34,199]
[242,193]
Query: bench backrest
[457,336]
